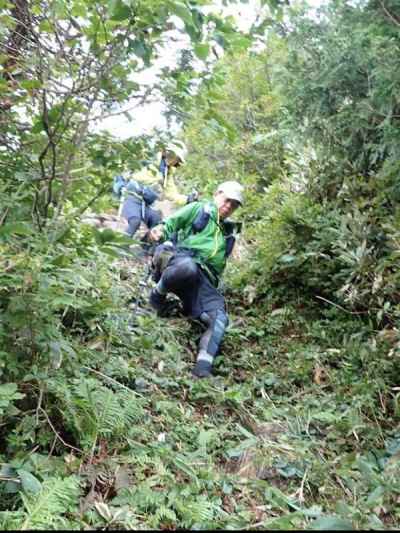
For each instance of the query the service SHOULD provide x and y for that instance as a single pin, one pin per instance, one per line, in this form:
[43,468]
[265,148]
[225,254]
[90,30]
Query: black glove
[192,197]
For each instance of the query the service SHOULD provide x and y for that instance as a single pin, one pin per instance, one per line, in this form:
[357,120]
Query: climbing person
[136,200]
[172,157]
[138,193]
[195,243]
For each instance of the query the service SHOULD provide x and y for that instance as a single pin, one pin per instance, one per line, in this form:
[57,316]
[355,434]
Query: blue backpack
[118,182]
[147,193]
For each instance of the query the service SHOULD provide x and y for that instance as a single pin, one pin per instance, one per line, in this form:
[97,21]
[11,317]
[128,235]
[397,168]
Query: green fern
[164,513]
[48,509]
[11,520]
[96,411]
[143,498]
[199,512]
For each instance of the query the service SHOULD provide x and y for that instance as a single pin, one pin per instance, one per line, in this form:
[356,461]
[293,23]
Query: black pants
[200,299]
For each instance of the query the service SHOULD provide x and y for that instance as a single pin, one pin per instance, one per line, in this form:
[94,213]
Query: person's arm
[181,219]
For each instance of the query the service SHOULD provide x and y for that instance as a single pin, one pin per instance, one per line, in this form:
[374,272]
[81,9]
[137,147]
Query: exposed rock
[103,221]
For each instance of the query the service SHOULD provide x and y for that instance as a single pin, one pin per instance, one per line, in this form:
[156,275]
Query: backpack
[146,193]
[229,228]
[118,183]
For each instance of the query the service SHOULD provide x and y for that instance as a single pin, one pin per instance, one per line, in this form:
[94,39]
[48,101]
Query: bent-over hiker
[137,196]
[138,193]
[197,240]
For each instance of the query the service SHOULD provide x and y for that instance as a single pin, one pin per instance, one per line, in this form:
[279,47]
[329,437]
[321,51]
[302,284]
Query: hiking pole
[144,281]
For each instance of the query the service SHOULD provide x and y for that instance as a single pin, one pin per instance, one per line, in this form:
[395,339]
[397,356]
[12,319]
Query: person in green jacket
[197,241]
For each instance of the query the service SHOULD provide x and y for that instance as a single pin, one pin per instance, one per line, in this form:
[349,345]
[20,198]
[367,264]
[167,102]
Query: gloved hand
[192,197]
[161,257]
[156,233]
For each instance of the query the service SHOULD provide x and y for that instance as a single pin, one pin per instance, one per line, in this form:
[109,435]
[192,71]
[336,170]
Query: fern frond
[165,513]
[95,410]
[199,511]
[57,497]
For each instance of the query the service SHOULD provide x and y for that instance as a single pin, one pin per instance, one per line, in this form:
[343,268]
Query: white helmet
[232,190]
[179,149]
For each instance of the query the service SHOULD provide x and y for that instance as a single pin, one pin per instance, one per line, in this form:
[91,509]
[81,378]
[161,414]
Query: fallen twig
[111,379]
[57,434]
[340,307]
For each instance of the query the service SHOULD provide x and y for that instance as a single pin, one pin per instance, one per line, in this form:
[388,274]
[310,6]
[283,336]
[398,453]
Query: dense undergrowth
[107,428]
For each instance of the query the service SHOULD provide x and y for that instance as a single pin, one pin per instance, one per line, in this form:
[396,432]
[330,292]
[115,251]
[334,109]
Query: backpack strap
[118,183]
[201,219]
[134,189]
[142,192]
[228,227]
[230,236]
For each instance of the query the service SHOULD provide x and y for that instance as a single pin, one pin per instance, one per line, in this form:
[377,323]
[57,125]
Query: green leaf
[55,114]
[182,11]
[128,116]
[326,416]
[11,487]
[29,482]
[287,258]
[183,464]
[79,9]
[30,84]
[241,43]
[335,523]
[6,470]
[107,235]
[119,10]
[38,126]
[375,496]
[201,50]
[284,522]
[9,391]
[229,131]
[45,26]
[141,49]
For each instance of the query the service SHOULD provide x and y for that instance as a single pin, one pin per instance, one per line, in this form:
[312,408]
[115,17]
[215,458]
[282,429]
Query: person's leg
[216,322]
[132,212]
[133,225]
[183,277]
[180,276]
[153,217]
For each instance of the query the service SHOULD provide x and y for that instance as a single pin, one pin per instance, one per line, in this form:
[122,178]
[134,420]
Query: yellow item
[146,177]
[171,190]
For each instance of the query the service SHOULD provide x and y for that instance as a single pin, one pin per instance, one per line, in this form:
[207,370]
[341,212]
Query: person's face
[226,206]
[173,160]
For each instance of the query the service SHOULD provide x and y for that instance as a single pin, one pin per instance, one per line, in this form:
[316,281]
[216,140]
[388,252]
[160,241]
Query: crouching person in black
[197,240]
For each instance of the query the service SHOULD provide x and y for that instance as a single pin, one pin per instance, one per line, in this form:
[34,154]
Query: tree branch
[389,15]
[57,434]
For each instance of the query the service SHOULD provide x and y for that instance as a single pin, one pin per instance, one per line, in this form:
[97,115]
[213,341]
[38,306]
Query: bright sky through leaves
[145,118]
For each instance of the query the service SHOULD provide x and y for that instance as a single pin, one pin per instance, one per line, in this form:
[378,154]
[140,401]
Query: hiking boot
[201,370]
[157,301]
[199,373]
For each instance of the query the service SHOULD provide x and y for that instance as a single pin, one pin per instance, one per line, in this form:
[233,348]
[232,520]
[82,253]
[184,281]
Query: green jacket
[209,244]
